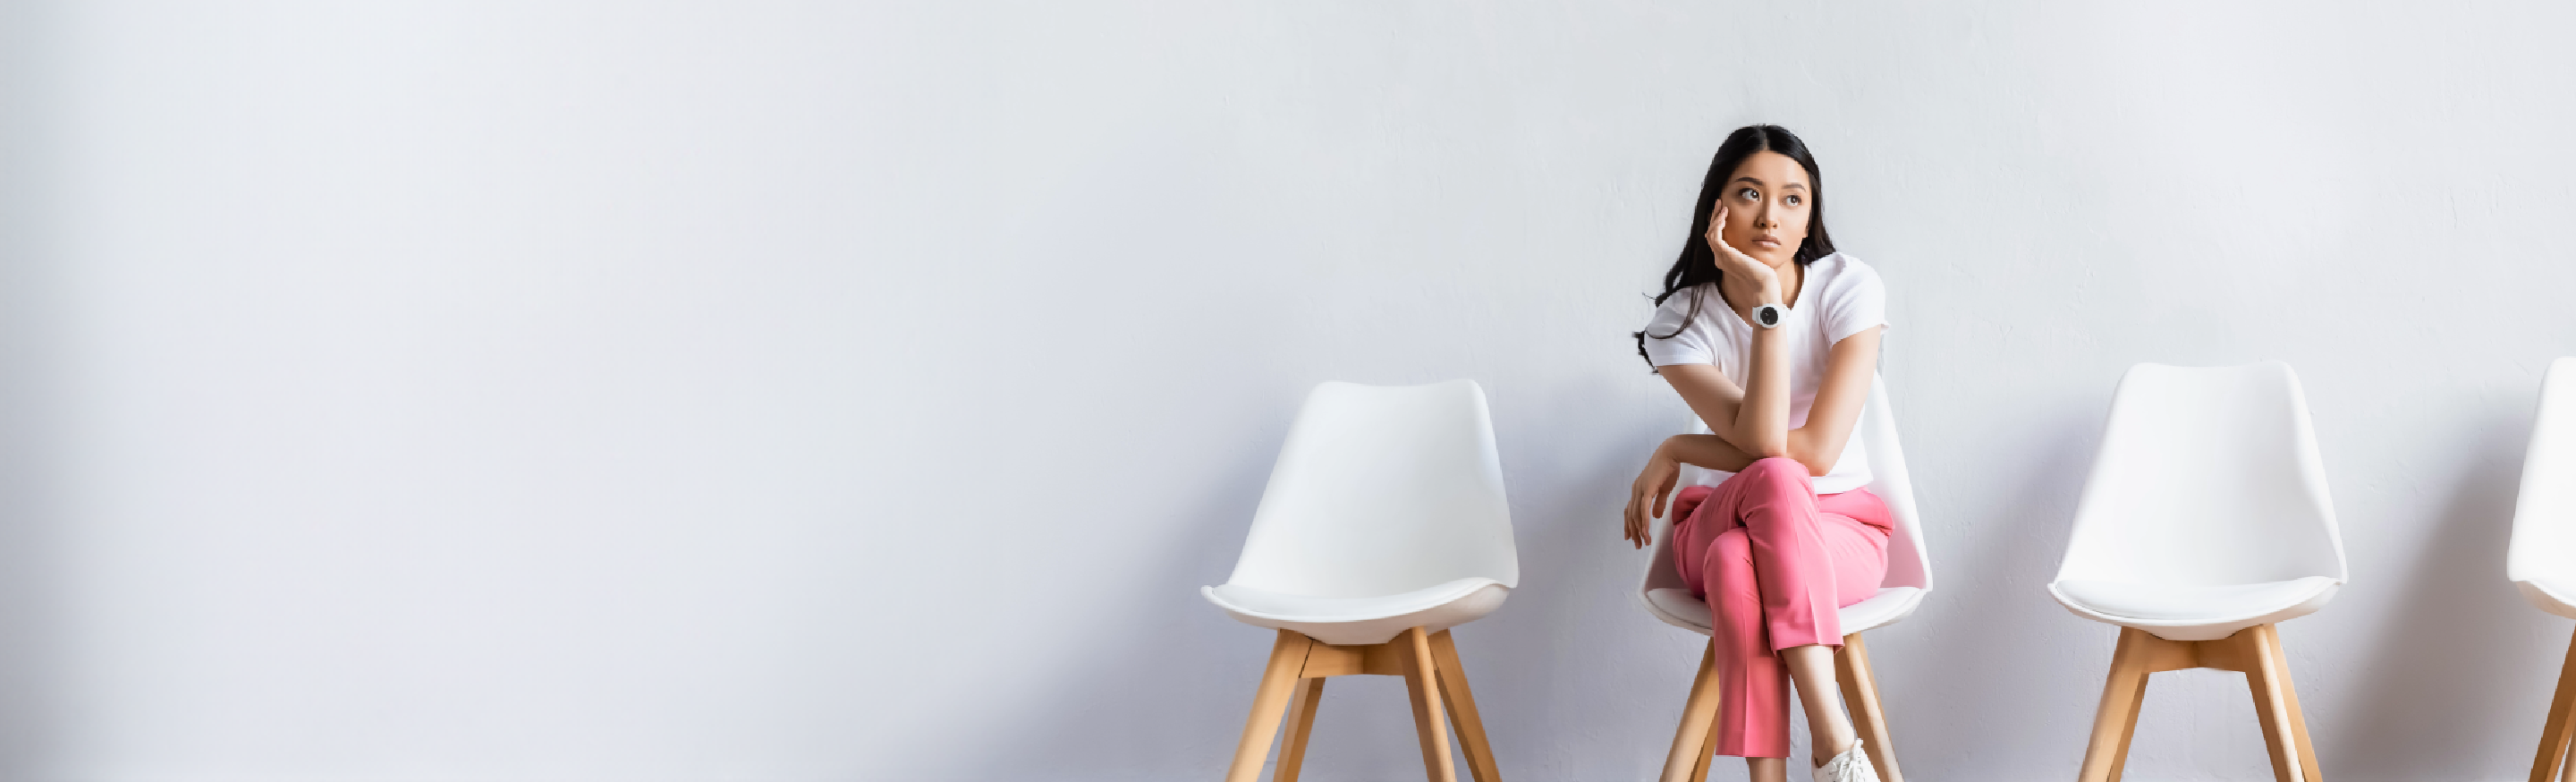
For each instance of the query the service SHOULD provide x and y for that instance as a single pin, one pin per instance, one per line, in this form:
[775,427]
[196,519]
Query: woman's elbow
[1817,463]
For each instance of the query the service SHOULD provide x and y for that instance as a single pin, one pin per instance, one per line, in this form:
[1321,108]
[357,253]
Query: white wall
[799,391]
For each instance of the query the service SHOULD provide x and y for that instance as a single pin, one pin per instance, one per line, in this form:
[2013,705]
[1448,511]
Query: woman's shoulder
[1841,263]
[1842,271]
[1677,306]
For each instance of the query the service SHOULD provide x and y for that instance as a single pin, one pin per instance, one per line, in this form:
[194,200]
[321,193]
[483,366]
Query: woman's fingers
[1637,523]
[1628,517]
[1635,530]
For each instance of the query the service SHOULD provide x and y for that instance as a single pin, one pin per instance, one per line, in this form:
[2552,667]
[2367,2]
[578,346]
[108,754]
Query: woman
[1771,337]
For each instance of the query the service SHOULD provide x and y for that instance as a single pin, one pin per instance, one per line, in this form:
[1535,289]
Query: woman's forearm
[1708,451]
[1849,367]
[1762,422]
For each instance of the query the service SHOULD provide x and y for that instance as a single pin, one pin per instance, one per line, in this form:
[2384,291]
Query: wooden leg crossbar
[1294,683]
[2254,651]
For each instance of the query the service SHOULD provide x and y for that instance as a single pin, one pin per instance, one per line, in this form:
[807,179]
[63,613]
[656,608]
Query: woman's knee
[1779,490]
[1729,563]
[1732,549]
[1778,470]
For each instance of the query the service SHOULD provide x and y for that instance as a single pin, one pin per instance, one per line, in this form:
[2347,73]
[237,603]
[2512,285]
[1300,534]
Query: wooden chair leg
[1462,709]
[1278,682]
[1420,675]
[1860,694]
[1689,755]
[2307,751]
[2562,718]
[2266,677]
[1707,754]
[1301,725]
[2116,720]
[2263,677]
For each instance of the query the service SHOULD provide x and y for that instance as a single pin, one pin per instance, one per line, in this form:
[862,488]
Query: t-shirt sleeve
[1858,302]
[1687,343]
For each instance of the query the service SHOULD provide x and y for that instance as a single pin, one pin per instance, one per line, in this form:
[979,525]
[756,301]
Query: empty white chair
[2541,560]
[1908,580]
[1383,526]
[2205,522]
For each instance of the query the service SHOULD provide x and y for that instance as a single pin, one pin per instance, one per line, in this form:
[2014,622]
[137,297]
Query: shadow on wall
[1166,696]
[1134,700]
[24,538]
[1938,672]
[2456,633]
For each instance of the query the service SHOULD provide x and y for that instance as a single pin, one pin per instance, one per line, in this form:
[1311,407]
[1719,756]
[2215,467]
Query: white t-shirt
[1841,297]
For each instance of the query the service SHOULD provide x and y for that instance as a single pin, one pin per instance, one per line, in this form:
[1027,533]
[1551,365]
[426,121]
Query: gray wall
[792,391]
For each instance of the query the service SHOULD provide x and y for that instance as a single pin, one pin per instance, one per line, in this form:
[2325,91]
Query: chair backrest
[2544,515]
[1381,490]
[2206,476]
[1909,562]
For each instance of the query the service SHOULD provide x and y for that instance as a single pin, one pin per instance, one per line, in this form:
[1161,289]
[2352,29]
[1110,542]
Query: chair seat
[2554,595]
[1345,621]
[2194,613]
[1678,608]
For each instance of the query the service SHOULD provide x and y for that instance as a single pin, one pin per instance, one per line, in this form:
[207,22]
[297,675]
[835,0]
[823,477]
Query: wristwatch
[1768,316]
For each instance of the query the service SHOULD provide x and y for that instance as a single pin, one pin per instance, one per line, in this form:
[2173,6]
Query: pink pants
[1774,561]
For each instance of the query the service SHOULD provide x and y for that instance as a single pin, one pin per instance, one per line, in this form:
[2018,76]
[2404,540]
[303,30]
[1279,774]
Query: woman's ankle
[1830,747]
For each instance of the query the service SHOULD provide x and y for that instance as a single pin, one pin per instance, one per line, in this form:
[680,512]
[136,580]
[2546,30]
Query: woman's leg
[1808,564]
[1829,730]
[1856,555]
[1772,565]
[1753,688]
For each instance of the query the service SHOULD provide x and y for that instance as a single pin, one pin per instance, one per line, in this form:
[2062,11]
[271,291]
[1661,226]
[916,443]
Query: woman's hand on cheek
[1733,261]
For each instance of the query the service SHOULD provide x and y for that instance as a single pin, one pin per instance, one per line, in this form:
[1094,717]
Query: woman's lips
[1767,241]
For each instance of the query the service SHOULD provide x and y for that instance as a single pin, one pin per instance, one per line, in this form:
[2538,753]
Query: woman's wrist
[1772,295]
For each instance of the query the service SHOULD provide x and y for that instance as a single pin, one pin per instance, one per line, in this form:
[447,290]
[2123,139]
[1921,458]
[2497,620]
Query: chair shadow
[2457,634]
[1164,696]
[1939,670]
[1538,666]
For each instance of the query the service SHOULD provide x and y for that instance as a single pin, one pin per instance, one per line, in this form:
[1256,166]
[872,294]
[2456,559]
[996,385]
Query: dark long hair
[1698,264]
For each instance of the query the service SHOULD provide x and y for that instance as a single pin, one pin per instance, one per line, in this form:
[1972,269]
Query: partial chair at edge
[2204,524]
[2541,560]
[1383,526]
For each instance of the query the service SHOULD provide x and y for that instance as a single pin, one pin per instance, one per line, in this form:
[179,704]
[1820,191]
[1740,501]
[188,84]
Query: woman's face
[1766,204]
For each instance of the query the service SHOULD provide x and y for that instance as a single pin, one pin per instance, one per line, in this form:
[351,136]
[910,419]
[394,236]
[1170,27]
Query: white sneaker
[1851,766]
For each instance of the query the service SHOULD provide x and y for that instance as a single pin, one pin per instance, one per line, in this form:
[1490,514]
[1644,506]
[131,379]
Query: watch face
[1770,316]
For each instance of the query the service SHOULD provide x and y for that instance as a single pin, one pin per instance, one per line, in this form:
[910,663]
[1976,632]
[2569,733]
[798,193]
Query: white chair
[1383,526]
[2205,522]
[2541,560]
[1908,580]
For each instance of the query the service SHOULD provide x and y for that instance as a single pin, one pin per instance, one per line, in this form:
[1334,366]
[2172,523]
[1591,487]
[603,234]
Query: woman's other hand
[1646,498]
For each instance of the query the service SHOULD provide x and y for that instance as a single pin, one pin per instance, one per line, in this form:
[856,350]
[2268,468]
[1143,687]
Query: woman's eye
[1794,200]
[1748,194]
